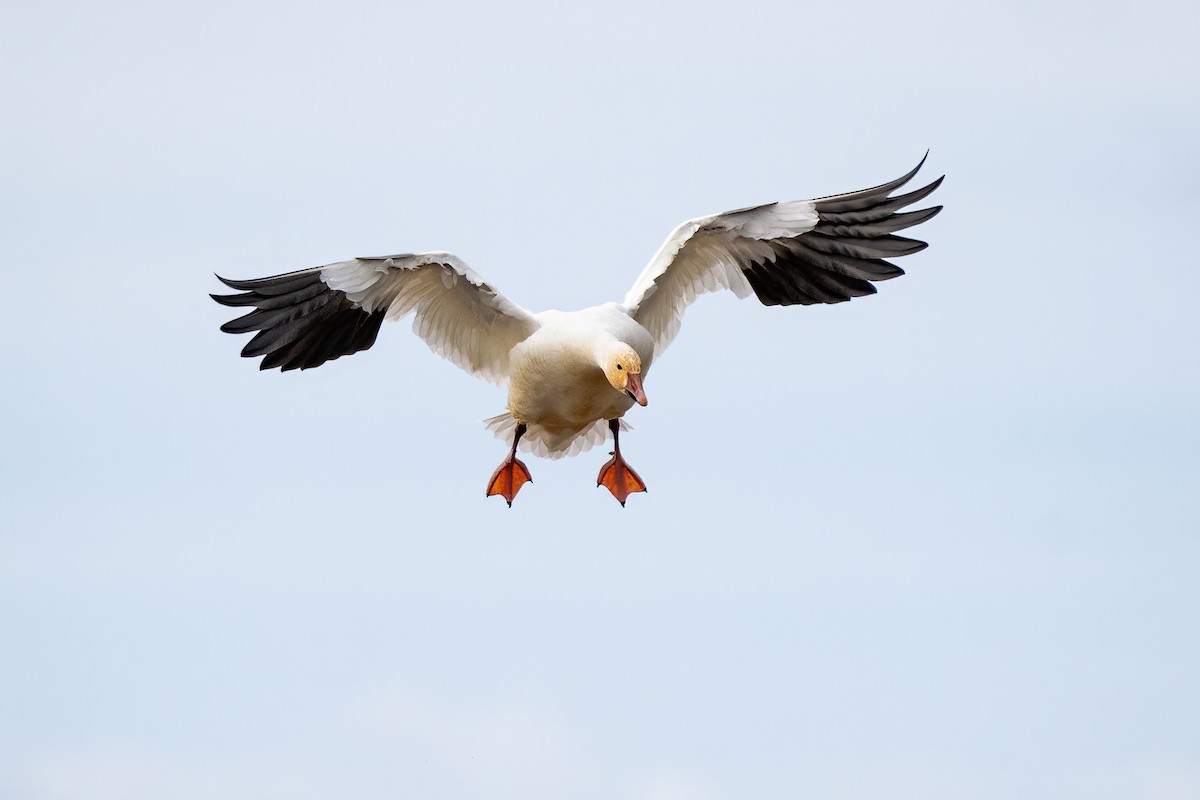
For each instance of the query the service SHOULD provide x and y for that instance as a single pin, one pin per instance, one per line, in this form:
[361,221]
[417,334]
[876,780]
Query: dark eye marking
[619,366]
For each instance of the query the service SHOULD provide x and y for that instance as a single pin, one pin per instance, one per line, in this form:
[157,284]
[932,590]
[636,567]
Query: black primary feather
[845,252]
[301,322]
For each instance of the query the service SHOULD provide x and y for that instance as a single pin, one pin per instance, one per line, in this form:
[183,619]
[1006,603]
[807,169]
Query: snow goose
[571,374]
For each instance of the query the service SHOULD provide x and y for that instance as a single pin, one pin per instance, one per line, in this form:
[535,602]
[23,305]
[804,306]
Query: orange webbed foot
[512,474]
[508,479]
[620,479]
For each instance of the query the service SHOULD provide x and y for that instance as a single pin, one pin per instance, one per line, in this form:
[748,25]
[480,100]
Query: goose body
[573,375]
[554,383]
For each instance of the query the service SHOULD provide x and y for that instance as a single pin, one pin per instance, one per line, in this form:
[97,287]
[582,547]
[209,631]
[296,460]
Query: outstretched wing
[826,250]
[315,315]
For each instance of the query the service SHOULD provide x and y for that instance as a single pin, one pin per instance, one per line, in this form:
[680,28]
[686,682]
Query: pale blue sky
[955,551]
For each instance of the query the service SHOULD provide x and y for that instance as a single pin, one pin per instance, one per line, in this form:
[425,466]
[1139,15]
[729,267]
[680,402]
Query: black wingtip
[232,300]
[903,179]
[853,201]
[912,172]
[920,163]
[232,284]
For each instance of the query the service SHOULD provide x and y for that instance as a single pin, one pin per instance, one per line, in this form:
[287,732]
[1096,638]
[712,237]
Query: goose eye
[619,366]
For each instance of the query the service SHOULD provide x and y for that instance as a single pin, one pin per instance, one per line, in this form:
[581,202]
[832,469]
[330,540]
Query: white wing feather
[459,316]
[706,254]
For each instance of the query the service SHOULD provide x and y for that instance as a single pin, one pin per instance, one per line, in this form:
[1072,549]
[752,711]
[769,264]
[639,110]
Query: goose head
[623,368]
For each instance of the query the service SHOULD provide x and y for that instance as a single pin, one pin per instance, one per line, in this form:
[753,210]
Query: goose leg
[617,476]
[512,474]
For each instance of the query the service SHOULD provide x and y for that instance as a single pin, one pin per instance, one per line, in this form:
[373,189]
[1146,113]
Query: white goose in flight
[569,374]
